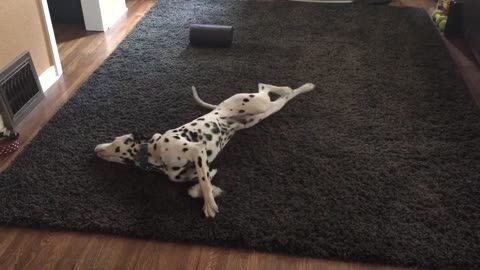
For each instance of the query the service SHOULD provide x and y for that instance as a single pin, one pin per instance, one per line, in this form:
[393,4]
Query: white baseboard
[48,78]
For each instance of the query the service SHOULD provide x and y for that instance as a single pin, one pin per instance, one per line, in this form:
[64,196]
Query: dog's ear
[138,137]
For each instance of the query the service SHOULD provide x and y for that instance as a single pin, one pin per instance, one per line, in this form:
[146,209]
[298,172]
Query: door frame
[52,74]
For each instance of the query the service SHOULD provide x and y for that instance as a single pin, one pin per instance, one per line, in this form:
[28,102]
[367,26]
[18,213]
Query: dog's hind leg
[303,89]
[278,104]
[279,90]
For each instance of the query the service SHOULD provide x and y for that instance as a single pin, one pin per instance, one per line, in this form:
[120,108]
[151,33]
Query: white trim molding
[100,15]
[48,78]
[53,73]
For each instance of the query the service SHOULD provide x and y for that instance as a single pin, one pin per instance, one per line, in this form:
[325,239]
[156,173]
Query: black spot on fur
[117,149]
[179,158]
[155,147]
[201,119]
[193,136]
[167,140]
[200,137]
[203,178]
[246,100]
[199,131]
[199,162]
[130,151]
[185,144]
[241,111]
[207,125]
[194,124]
[216,113]
[215,130]
[175,168]
[176,137]
[251,95]
[150,141]
[223,117]
[209,152]
[208,136]
[185,149]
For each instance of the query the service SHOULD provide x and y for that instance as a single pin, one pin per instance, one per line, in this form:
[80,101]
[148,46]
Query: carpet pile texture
[379,164]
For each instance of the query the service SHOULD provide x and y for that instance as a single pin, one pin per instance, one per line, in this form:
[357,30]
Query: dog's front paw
[210,209]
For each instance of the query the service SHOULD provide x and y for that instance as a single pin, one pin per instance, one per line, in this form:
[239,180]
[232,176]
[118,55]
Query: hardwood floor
[81,53]
[461,54]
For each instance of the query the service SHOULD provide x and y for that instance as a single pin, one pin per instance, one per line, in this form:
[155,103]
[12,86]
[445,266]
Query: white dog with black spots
[184,153]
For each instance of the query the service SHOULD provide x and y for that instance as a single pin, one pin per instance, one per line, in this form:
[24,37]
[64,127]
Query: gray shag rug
[381,163]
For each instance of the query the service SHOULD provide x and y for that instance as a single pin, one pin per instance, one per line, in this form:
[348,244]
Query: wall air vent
[20,90]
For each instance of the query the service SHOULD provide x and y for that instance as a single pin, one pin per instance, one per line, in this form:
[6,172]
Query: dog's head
[122,149]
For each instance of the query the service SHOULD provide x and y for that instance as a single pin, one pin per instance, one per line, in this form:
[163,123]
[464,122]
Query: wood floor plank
[81,53]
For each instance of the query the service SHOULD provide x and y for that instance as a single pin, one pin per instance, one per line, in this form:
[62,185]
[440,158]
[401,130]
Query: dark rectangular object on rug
[380,163]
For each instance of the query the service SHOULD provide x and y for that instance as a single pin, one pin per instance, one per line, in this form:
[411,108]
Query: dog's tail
[200,101]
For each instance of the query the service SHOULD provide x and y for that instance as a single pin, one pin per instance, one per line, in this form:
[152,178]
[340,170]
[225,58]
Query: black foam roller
[211,35]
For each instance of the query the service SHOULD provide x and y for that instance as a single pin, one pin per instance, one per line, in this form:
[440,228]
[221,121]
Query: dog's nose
[99,149]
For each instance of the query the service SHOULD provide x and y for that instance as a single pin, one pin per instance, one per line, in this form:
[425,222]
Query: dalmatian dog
[184,153]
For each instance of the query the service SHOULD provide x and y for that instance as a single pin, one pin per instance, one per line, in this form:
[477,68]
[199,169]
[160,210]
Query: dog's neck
[142,151]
